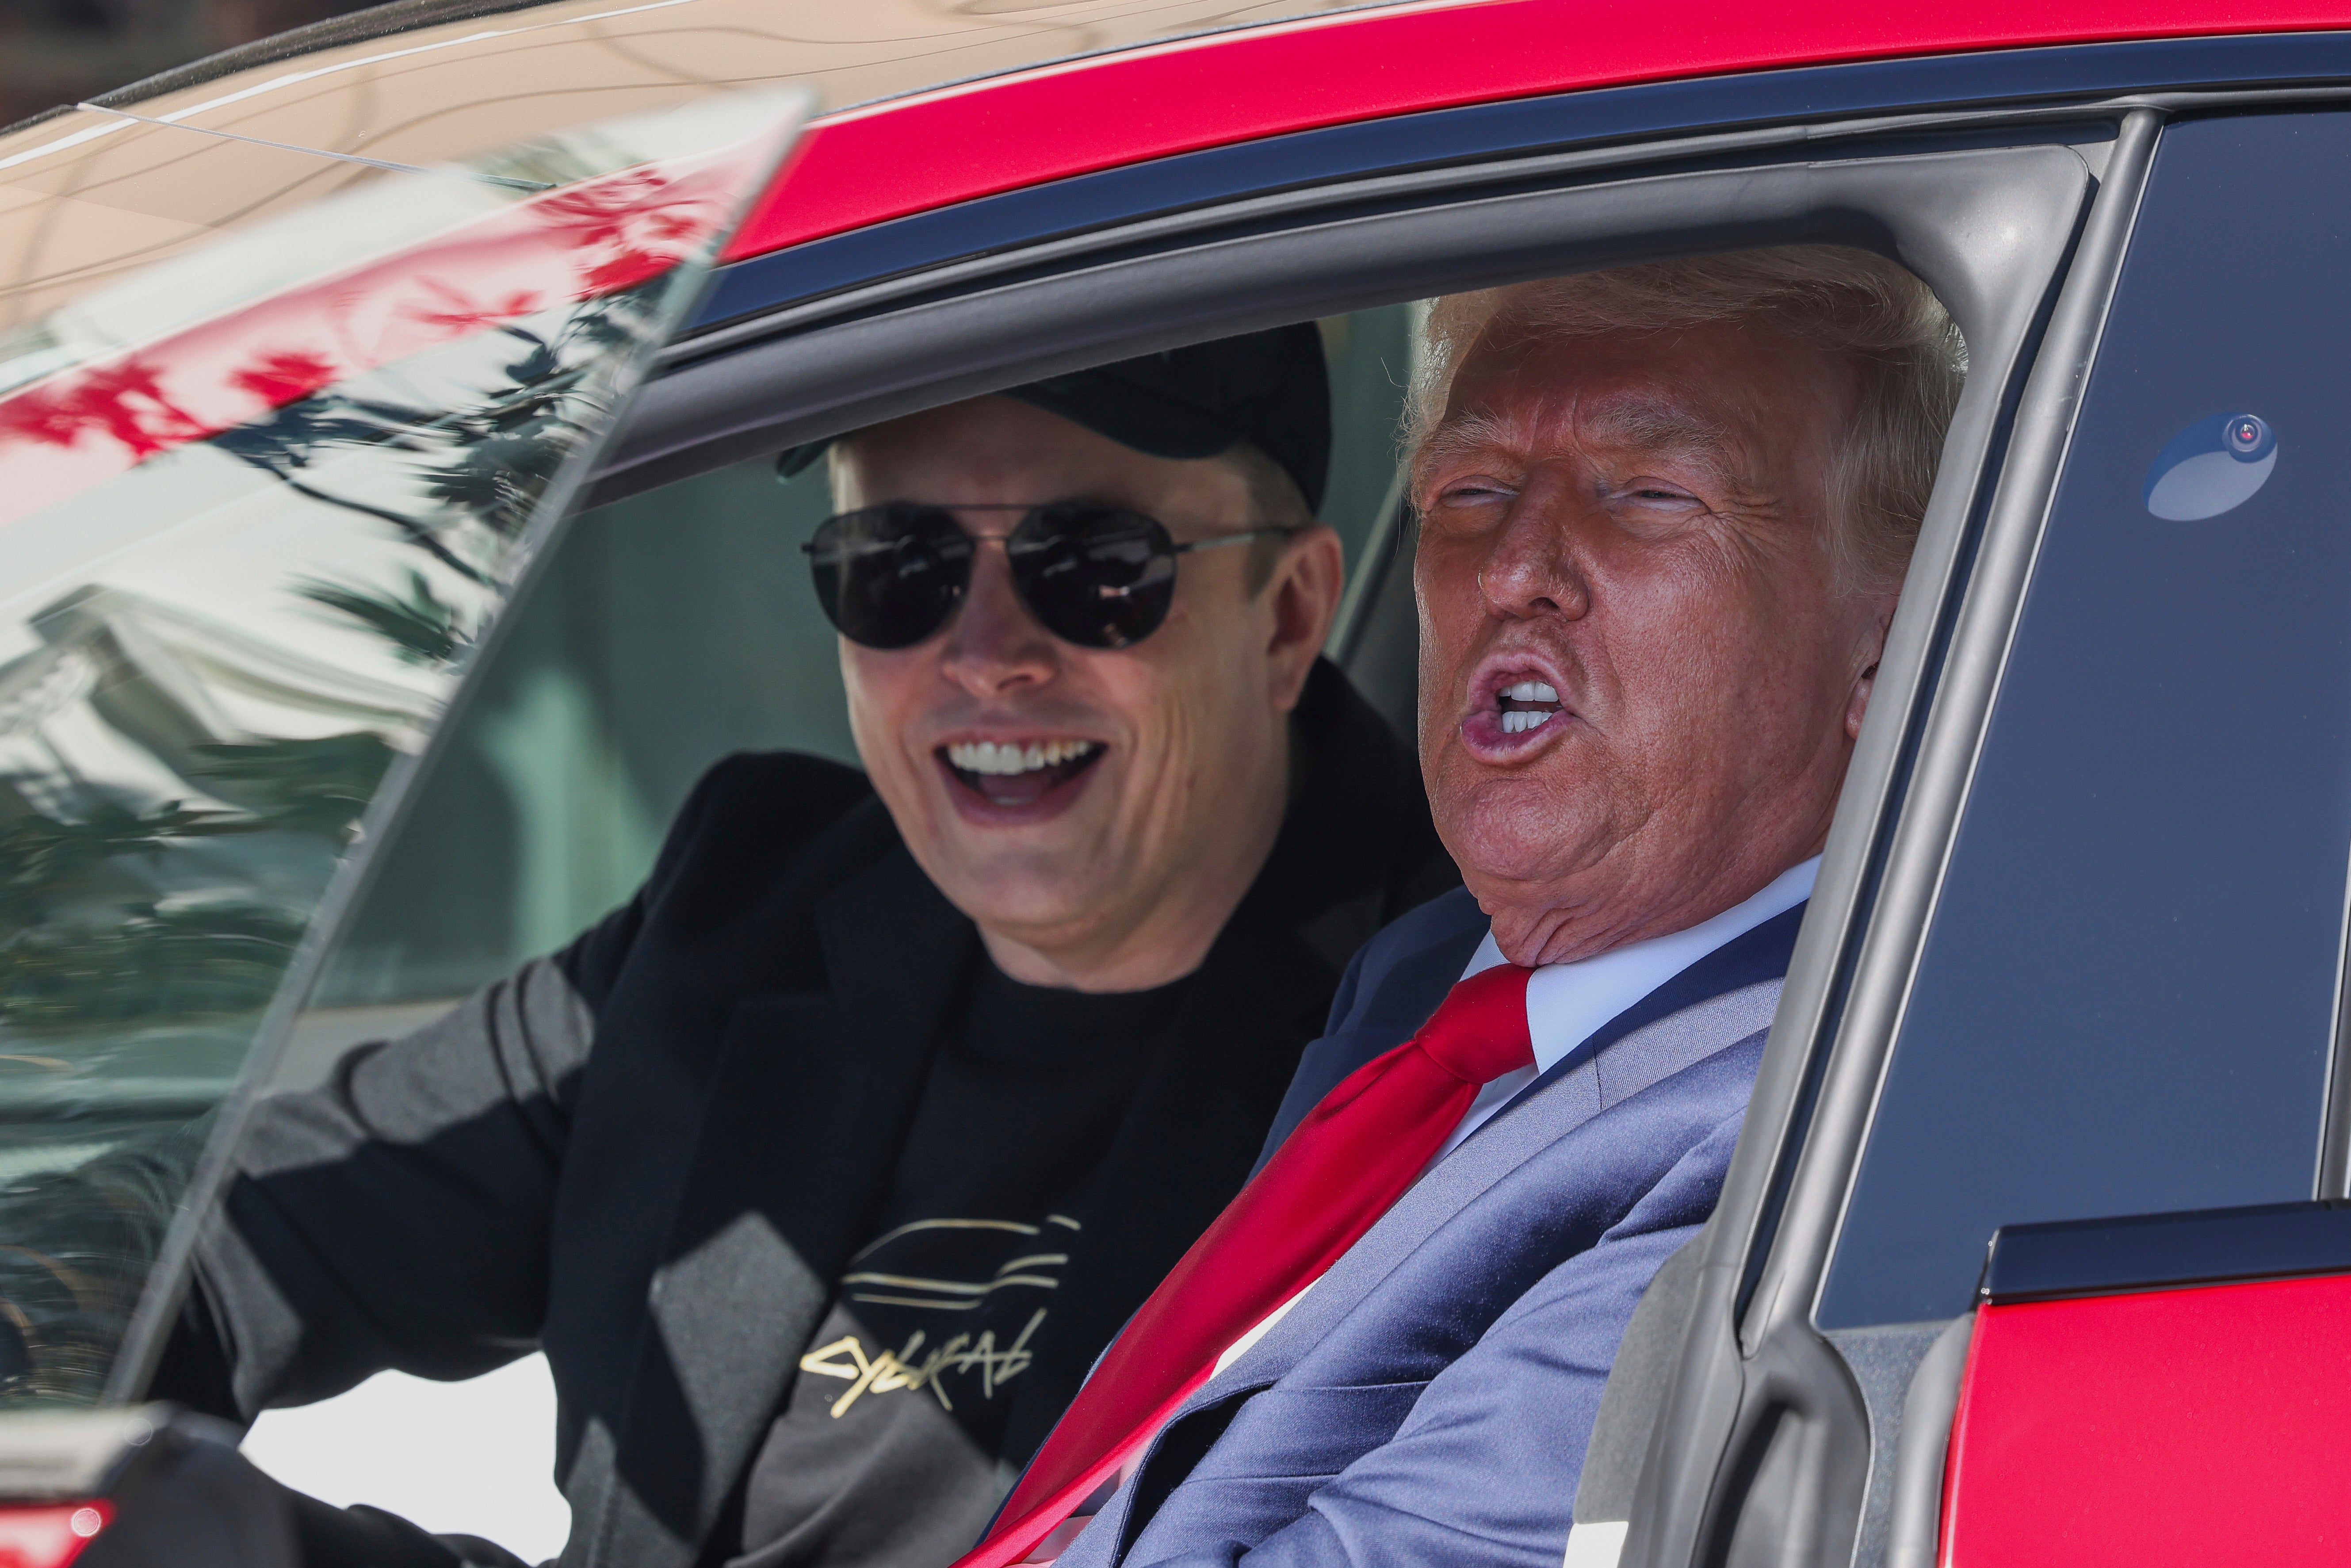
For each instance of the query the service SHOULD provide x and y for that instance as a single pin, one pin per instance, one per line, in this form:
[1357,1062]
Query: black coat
[653,1154]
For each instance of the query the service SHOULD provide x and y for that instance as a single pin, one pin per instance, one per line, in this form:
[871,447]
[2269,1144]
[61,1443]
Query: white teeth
[1518,720]
[989,757]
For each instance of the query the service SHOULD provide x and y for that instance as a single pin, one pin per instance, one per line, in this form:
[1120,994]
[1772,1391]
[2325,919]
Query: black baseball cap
[1270,389]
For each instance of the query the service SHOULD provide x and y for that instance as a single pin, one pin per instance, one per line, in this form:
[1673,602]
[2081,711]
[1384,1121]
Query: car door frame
[1757,1452]
[1990,212]
[1752,1456]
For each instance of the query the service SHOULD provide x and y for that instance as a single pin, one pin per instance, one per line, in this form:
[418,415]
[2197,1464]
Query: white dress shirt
[1567,1002]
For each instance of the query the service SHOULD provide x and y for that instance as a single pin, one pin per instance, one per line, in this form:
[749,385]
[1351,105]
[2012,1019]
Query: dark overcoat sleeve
[399,1215]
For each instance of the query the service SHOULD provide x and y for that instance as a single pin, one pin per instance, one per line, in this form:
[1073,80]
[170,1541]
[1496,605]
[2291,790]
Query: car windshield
[261,505]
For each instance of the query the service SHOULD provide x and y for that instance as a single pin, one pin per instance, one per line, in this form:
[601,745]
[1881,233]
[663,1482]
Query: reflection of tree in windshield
[72,938]
[176,791]
[75,946]
[263,499]
[423,627]
[123,403]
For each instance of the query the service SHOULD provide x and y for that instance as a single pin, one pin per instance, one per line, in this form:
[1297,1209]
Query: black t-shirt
[889,1449]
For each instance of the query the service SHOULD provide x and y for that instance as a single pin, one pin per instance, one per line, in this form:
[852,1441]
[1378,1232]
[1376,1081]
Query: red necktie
[1355,1155]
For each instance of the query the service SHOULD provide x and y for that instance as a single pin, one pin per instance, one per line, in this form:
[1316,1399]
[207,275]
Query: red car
[309,352]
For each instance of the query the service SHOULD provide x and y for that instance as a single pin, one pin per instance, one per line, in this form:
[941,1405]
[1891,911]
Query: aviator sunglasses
[1095,575]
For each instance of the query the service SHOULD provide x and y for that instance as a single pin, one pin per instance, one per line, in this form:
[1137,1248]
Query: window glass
[2126,997]
[258,505]
[671,629]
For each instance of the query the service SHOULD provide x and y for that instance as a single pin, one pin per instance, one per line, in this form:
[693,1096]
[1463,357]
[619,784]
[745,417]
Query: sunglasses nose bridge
[995,639]
[1102,579]
[1029,554]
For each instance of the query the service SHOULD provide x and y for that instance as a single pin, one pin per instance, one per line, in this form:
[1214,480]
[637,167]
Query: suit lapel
[1722,997]
[1397,1004]
[1551,1109]
[806,1111]
[1449,1187]
[1750,958]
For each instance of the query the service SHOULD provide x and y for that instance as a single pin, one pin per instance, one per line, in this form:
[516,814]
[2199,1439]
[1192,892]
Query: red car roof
[910,154]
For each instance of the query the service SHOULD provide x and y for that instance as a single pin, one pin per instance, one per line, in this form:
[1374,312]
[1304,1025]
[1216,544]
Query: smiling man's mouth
[1528,704]
[1015,773]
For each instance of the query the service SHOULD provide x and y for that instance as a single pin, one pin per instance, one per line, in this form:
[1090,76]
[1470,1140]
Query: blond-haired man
[1664,513]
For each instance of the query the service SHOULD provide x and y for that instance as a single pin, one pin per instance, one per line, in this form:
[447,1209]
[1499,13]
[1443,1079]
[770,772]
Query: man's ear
[1304,592]
[1856,705]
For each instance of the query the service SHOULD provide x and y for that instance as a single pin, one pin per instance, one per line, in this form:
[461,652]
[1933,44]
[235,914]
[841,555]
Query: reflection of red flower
[615,273]
[594,211]
[640,219]
[543,255]
[462,313]
[285,375]
[125,401]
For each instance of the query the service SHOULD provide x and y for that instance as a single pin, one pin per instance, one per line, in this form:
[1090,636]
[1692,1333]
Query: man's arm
[1484,1468]
[394,1216]
[398,1215]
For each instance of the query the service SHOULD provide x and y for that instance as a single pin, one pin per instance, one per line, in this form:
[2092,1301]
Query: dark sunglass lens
[890,576]
[1101,577]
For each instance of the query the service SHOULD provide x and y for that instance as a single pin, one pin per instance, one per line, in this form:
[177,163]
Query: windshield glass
[260,505]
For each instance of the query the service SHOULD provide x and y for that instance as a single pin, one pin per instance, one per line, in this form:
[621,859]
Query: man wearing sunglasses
[824,1170]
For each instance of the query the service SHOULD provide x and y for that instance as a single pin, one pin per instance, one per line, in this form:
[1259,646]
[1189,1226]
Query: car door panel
[2144,1016]
[2163,1386]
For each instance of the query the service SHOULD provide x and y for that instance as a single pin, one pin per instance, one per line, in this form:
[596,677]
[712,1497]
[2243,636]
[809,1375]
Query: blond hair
[1844,302]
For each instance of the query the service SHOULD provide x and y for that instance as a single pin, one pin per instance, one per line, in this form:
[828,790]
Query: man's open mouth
[1014,773]
[1528,704]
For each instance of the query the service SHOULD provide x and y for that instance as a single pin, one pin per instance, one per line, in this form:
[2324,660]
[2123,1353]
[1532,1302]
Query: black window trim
[2334,1175]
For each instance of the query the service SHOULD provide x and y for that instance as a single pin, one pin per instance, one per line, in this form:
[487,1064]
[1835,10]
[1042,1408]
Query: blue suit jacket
[1429,1400]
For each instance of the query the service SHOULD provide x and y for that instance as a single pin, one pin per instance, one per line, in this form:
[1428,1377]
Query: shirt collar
[1565,1002]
